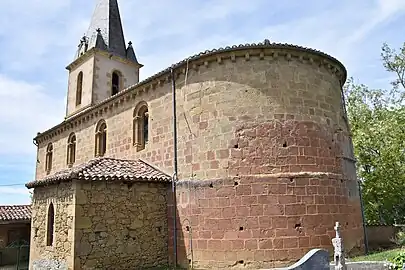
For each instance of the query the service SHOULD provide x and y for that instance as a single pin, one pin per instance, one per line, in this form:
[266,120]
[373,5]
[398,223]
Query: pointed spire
[100,43]
[106,26]
[131,53]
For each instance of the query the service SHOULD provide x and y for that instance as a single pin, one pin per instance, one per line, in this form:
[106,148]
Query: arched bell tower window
[48,158]
[79,88]
[71,150]
[101,139]
[141,126]
[50,225]
[115,83]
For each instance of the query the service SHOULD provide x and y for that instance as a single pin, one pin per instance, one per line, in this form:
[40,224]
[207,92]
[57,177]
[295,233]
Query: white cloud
[160,19]
[25,109]
[382,12]
[15,195]
[43,35]
[349,31]
[14,190]
[37,32]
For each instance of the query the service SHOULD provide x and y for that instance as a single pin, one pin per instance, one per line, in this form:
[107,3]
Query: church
[237,156]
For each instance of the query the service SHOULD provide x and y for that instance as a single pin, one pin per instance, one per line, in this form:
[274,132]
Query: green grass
[377,256]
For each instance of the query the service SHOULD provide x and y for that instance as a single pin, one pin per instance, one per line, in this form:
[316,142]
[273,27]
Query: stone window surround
[100,139]
[49,158]
[141,112]
[264,50]
[127,95]
[71,149]
[50,226]
[142,108]
[121,83]
[79,88]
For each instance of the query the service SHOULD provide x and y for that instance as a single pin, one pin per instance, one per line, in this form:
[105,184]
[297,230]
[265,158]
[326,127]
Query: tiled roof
[266,44]
[15,213]
[106,169]
[260,45]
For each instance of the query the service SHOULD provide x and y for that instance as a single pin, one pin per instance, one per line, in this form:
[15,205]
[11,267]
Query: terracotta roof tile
[15,212]
[260,45]
[106,169]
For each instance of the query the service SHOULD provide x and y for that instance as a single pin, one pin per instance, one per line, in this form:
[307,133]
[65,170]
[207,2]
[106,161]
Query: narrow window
[51,224]
[101,139]
[71,150]
[115,83]
[141,126]
[79,88]
[48,158]
[145,122]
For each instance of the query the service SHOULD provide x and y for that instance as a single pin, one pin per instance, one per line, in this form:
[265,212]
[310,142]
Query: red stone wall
[262,221]
[288,185]
[264,113]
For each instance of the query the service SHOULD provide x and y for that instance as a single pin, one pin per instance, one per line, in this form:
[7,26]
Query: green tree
[377,119]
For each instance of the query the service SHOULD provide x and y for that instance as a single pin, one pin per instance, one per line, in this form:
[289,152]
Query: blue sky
[38,39]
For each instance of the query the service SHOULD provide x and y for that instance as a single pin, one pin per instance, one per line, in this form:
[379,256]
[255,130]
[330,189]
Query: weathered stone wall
[120,225]
[257,112]
[87,67]
[97,68]
[218,99]
[62,198]
[103,69]
[263,221]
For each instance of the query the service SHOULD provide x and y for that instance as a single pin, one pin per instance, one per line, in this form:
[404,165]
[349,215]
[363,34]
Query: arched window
[79,88]
[48,158]
[141,126]
[51,225]
[71,150]
[101,139]
[115,83]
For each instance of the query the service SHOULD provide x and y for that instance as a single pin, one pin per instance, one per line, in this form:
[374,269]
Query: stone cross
[339,256]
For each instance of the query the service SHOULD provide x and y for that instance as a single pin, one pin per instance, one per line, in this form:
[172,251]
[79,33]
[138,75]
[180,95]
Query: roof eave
[81,58]
[39,183]
[264,45]
[15,221]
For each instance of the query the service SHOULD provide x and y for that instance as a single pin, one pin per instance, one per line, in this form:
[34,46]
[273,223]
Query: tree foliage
[377,119]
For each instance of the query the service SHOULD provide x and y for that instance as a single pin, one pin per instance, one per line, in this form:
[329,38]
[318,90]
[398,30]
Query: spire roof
[105,31]
[100,43]
[131,53]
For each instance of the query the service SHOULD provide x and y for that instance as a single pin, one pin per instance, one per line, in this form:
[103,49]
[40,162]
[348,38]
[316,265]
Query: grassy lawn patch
[378,256]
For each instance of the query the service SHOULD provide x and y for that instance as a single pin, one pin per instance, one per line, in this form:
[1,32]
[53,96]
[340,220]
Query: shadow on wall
[234,219]
[234,108]
[184,253]
[381,237]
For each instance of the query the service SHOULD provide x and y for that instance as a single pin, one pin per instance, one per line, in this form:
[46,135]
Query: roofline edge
[262,45]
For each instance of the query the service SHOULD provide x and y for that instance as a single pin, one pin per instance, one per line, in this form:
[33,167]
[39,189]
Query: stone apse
[266,164]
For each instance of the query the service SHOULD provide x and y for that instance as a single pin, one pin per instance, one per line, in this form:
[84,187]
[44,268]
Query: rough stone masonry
[265,160]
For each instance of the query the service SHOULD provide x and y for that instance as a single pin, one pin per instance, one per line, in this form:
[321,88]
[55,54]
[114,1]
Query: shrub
[399,239]
[398,261]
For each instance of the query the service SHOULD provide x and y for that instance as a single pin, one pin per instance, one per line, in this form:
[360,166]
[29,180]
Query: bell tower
[103,65]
